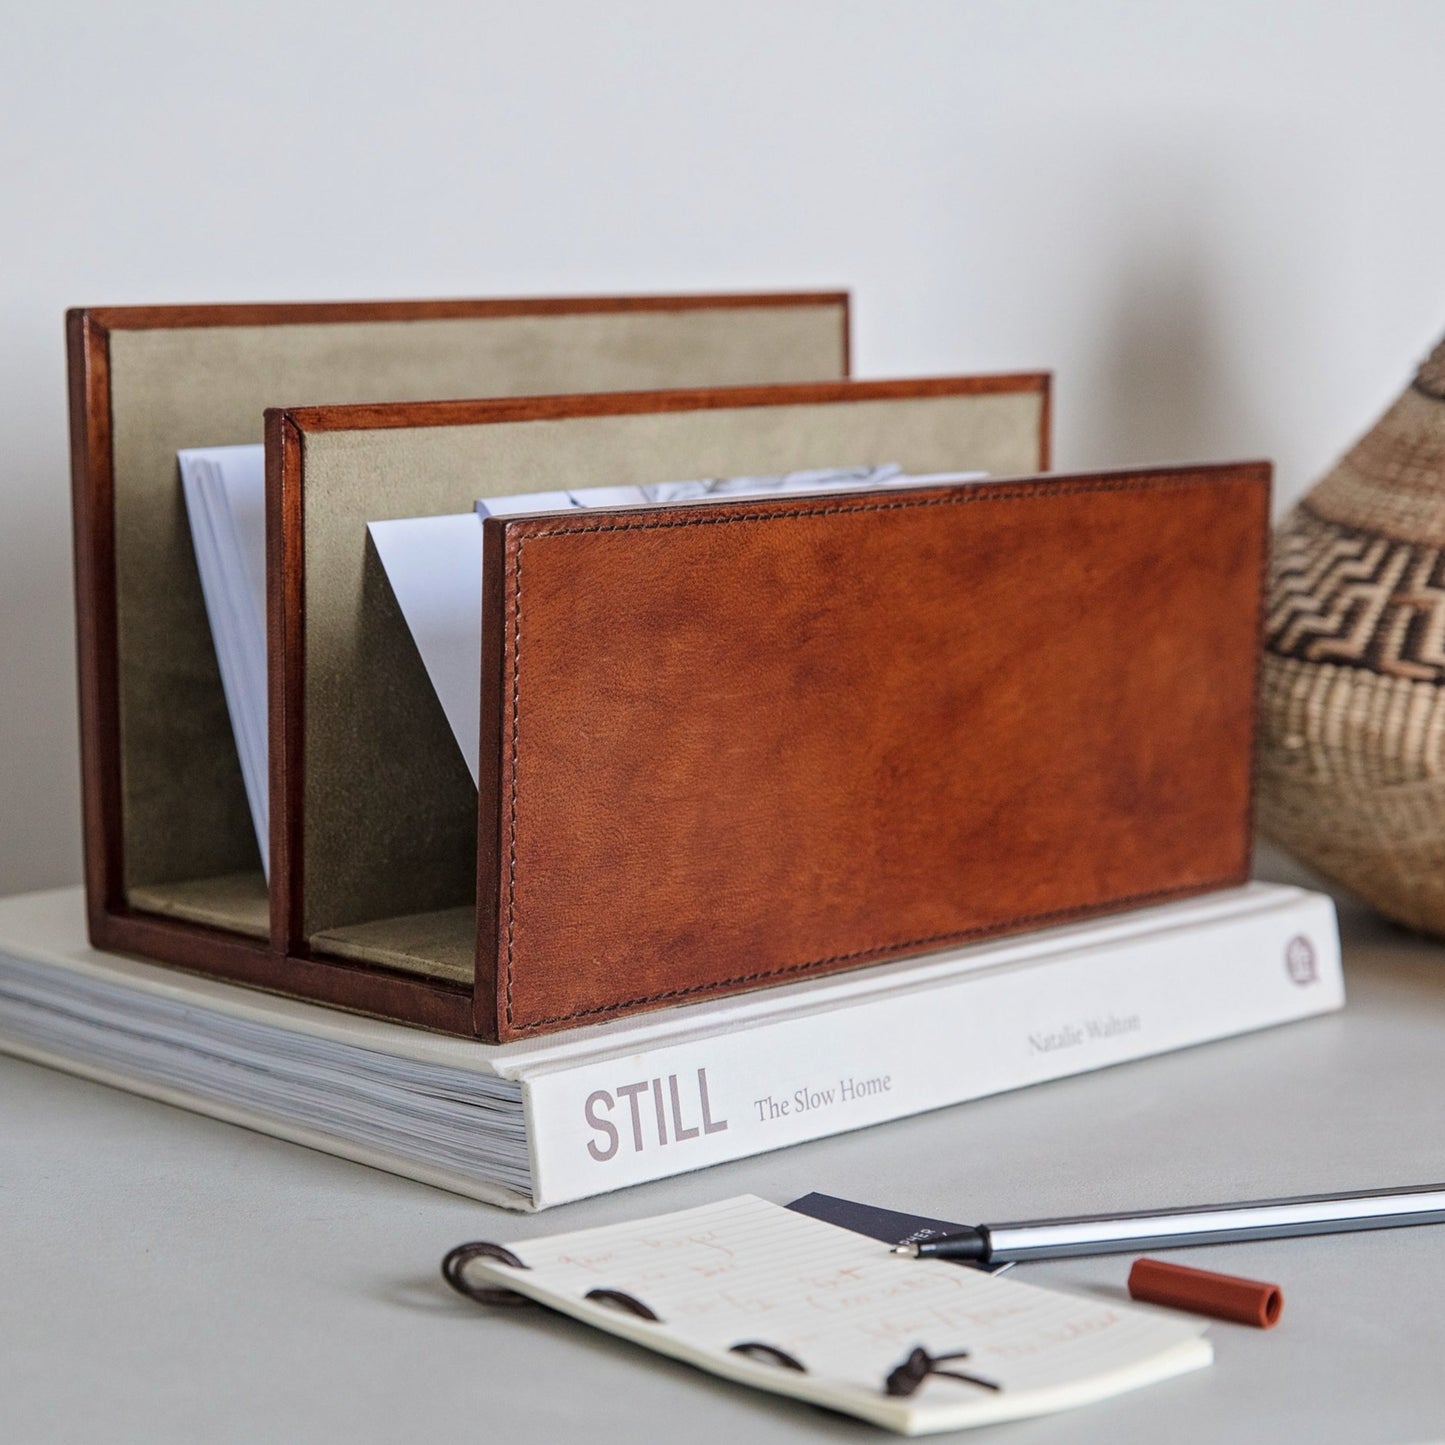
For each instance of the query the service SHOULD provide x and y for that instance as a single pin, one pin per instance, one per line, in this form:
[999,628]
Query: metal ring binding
[622,1300]
[454,1272]
[758,1350]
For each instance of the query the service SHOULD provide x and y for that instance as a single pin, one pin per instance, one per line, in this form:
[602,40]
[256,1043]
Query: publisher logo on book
[1300,961]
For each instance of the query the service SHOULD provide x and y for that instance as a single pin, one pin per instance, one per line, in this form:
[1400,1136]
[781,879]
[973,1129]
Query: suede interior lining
[390,826]
[237,901]
[184,815]
[441,944]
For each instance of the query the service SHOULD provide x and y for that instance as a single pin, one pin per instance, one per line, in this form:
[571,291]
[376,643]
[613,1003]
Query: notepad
[761,1295]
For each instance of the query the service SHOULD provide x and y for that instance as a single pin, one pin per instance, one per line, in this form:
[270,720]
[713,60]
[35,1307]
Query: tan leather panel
[738,745]
[237,901]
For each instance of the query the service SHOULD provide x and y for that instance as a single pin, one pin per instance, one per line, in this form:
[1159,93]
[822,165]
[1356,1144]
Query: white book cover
[562,1117]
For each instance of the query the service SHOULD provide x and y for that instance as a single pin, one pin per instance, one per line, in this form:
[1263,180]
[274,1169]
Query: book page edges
[265,1123]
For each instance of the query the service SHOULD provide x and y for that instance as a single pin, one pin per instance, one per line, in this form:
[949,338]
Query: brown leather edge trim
[1046,425]
[522,530]
[882,954]
[510,632]
[381,416]
[1262,476]
[98,678]
[430,1003]
[291,966]
[1040,488]
[111,923]
[284,313]
[492,835]
[286,678]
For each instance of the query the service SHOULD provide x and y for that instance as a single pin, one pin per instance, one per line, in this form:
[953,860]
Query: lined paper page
[848,1310]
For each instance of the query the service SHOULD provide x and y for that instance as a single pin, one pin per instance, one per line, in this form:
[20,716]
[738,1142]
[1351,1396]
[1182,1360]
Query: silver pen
[1177,1228]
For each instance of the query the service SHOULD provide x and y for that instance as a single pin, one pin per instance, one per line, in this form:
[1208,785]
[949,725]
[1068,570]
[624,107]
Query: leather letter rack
[723,745]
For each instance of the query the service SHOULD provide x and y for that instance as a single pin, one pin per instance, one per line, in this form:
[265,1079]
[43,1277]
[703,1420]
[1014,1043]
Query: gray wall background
[1219,222]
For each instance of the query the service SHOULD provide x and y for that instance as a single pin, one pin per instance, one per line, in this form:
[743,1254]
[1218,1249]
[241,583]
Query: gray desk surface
[170,1278]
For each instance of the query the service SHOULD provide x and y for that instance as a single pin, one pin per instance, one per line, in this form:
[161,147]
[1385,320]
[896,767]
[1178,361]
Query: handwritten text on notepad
[841,1304]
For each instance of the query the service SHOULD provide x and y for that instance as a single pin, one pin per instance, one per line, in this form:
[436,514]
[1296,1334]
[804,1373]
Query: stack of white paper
[225,492]
[434,566]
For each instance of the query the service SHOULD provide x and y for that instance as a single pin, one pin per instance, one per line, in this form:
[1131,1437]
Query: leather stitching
[886,950]
[961,496]
[717,517]
[512,806]
[1261,622]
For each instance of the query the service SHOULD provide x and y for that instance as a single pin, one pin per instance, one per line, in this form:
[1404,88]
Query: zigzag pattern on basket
[1352,737]
[1357,599]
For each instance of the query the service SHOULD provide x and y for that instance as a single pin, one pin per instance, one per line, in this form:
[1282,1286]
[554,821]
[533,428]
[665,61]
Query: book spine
[603,1124]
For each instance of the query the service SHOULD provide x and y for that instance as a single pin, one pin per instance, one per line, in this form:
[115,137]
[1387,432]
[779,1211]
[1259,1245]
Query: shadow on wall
[39,738]
[1164,390]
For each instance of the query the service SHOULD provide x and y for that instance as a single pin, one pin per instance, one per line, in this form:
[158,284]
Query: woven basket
[1352,764]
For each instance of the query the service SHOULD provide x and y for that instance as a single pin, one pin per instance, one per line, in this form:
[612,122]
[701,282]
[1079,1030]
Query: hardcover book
[540,1122]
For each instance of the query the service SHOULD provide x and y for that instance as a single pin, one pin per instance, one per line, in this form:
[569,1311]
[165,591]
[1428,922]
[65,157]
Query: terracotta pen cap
[1224,1296]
